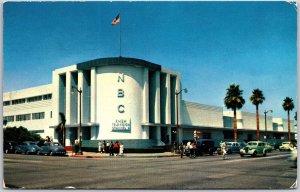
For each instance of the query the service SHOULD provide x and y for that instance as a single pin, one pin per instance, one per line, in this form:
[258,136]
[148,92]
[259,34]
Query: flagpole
[120,39]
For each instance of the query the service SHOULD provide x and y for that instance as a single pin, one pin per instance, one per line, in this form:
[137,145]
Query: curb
[124,156]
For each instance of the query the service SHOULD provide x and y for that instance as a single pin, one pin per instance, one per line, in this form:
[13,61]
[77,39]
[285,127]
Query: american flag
[116,20]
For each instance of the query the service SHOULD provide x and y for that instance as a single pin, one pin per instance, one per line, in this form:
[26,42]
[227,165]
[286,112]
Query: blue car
[27,147]
[52,148]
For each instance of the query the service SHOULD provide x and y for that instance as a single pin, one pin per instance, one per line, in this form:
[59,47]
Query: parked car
[254,148]
[275,145]
[9,146]
[268,147]
[285,146]
[205,146]
[232,147]
[52,148]
[27,147]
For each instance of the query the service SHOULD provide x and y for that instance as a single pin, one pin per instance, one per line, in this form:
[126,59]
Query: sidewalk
[126,155]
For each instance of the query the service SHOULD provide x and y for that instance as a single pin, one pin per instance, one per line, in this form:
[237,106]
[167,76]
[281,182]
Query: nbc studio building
[133,101]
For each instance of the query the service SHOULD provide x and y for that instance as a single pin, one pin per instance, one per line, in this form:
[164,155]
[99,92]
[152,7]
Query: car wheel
[229,151]
[51,153]
[26,152]
[242,155]
[38,152]
[265,154]
[254,154]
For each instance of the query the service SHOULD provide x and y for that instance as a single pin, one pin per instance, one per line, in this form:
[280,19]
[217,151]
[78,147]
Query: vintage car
[27,147]
[254,148]
[9,146]
[205,146]
[232,147]
[268,147]
[52,148]
[286,146]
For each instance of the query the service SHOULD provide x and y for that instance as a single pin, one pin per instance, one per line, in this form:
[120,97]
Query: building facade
[125,99]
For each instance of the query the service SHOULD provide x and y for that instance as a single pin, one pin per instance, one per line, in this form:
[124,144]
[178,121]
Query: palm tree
[257,98]
[288,106]
[234,101]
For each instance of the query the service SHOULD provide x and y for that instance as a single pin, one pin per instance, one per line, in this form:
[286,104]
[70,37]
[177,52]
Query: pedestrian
[107,147]
[116,148]
[224,149]
[111,149]
[104,146]
[175,147]
[181,148]
[121,149]
[192,150]
[99,147]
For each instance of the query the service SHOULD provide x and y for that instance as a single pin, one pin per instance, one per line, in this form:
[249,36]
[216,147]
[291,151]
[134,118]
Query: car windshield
[252,143]
[32,143]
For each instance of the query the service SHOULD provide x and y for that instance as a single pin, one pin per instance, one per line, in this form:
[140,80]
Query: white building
[124,99]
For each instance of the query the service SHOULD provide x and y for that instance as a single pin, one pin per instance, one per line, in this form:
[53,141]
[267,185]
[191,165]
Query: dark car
[52,148]
[9,146]
[27,147]
[205,146]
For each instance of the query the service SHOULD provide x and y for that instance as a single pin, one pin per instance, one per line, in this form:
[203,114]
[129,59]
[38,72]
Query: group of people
[114,149]
[189,149]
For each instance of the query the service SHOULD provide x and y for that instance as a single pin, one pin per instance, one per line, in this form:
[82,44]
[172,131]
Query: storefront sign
[121,125]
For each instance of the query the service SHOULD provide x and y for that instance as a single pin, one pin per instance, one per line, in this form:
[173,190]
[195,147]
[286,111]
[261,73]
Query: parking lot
[205,172]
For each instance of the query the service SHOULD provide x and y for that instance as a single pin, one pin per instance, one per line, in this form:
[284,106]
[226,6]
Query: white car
[286,146]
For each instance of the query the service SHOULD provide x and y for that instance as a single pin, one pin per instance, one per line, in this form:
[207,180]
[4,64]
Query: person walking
[224,150]
[181,148]
[104,146]
[99,147]
[121,150]
[111,149]
[116,148]
[107,147]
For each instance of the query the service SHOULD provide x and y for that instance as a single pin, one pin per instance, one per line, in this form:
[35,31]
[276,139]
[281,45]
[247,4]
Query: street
[206,172]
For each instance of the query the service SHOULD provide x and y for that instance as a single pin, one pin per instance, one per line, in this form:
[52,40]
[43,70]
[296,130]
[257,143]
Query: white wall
[126,82]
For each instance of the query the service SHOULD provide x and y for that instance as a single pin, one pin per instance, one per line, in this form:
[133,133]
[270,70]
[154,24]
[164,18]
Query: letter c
[121,108]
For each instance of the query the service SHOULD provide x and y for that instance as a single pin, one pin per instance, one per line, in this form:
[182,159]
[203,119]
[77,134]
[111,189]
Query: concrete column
[68,97]
[157,98]
[68,141]
[169,132]
[55,98]
[93,95]
[178,88]
[158,134]
[168,99]
[146,96]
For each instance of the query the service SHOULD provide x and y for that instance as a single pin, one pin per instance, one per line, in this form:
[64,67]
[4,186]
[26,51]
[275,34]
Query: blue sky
[213,44]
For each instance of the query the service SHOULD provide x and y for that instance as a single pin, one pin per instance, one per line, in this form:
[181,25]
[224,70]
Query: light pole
[266,111]
[79,127]
[177,125]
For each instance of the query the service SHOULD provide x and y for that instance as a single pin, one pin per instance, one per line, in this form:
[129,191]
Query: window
[23,117]
[33,99]
[6,103]
[9,118]
[40,115]
[47,97]
[18,101]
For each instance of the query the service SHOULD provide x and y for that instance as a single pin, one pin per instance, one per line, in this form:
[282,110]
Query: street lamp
[79,127]
[177,126]
[266,111]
